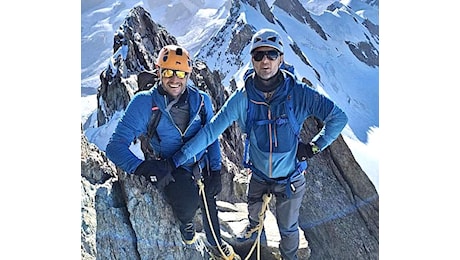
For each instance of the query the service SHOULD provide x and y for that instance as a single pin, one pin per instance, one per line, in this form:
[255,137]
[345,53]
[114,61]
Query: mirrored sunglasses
[271,55]
[167,73]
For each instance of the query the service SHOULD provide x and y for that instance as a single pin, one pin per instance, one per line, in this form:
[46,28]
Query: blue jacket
[306,102]
[135,120]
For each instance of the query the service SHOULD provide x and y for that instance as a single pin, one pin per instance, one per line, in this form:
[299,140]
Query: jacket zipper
[182,134]
[270,156]
[193,118]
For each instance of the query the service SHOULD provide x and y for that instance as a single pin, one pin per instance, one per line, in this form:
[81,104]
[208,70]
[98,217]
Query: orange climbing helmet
[174,57]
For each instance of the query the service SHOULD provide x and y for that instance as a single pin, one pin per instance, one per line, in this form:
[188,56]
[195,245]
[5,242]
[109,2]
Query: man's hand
[306,151]
[212,183]
[159,172]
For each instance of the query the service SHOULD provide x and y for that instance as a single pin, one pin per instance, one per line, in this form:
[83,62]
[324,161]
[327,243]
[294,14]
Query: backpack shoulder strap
[153,122]
[203,114]
[249,122]
[146,147]
[250,109]
[249,76]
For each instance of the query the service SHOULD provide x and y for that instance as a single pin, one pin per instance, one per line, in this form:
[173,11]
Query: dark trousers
[184,199]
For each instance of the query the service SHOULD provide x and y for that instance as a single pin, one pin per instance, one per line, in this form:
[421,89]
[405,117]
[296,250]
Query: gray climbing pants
[287,209]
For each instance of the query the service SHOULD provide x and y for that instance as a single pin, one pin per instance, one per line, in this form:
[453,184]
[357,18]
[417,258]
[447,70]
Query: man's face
[266,61]
[173,81]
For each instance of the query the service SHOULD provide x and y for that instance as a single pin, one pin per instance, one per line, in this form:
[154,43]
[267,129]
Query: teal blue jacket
[306,102]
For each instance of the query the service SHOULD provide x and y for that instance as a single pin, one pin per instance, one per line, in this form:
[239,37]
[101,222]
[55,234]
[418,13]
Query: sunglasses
[271,55]
[167,73]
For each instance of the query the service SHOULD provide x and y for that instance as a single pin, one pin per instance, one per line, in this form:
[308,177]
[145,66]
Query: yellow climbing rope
[202,193]
[266,200]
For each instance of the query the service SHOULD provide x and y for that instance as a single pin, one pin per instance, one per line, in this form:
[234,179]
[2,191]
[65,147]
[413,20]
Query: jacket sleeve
[214,148]
[232,110]
[323,108]
[131,125]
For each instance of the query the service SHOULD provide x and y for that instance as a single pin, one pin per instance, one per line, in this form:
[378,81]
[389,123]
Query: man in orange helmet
[181,108]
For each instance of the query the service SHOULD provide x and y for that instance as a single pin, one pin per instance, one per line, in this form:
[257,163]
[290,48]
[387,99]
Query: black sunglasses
[271,55]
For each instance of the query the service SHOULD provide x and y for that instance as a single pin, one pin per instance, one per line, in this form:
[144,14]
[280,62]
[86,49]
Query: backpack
[146,147]
[294,137]
[288,67]
[146,79]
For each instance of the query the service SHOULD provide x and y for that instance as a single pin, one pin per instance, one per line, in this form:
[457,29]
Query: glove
[159,172]
[306,151]
[212,183]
